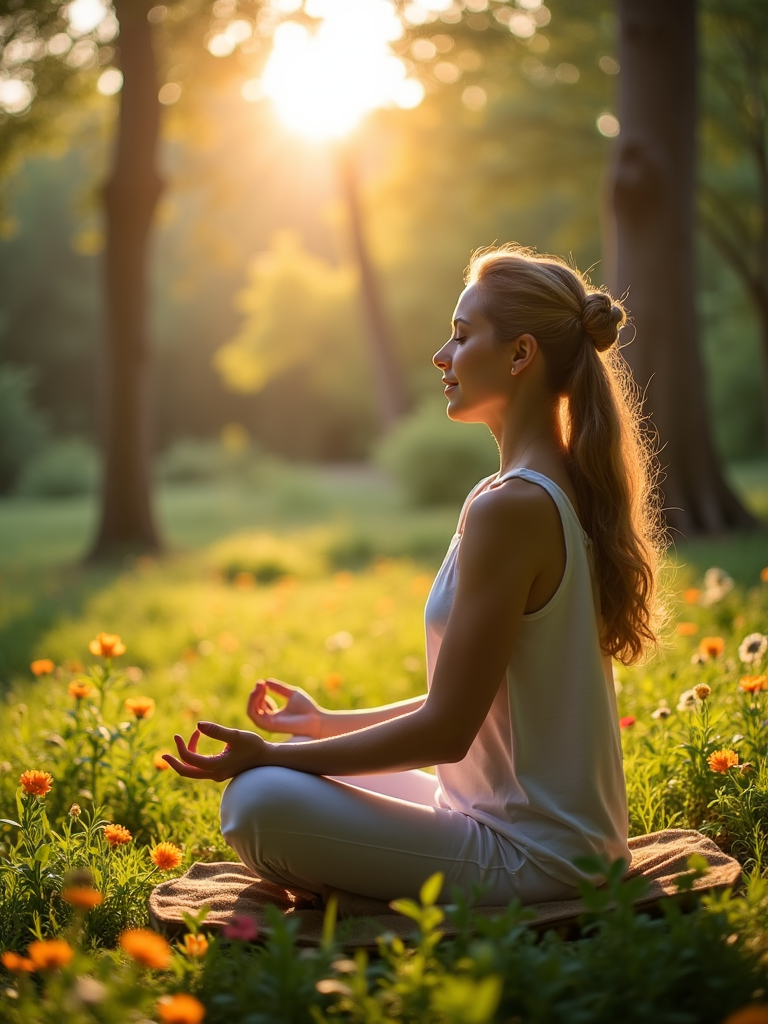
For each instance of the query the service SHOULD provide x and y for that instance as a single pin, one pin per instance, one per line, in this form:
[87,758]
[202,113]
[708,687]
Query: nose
[440,358]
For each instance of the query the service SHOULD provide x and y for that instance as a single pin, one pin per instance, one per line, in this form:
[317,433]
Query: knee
[261,799]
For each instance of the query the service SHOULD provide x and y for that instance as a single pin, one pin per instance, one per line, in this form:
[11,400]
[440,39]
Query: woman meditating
[551,573]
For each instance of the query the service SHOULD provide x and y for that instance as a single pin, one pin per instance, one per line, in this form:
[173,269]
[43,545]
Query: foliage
[434,460]
[22,427]
[64,467]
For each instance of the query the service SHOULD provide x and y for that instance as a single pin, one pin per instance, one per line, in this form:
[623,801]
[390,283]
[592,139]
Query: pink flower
[626,721]
[240,928]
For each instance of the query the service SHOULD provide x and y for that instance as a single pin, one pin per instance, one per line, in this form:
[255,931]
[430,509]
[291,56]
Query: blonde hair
[609,455]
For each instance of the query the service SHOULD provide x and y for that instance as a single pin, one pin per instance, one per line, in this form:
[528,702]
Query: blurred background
[320,173]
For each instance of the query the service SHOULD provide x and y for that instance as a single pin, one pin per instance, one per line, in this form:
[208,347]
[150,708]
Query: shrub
[434,460]
[63,468]
[22,427]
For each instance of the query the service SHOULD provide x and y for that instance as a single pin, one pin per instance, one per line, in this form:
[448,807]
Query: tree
[734,180]
[653,195]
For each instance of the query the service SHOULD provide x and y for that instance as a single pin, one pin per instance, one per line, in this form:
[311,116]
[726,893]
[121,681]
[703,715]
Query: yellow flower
[722,760]
[141,707]
[195,945]
[180,1009]
[146,947]
[83,897]
[107,645]
[80,689]
[16,963]
[42,667]
[166,856]
[751,684]
[50,954]
[117,835]
[36,783]
[711,646]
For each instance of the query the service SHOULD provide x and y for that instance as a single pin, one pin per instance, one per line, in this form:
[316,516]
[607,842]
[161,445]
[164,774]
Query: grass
[259,579]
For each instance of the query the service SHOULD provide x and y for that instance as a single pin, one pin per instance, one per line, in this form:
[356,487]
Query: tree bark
[388,383]
[130,197]
[652,193]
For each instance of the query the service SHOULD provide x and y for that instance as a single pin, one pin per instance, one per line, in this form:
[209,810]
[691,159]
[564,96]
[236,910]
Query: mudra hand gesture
[300,716]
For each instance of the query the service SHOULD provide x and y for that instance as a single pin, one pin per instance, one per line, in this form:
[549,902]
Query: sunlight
[322,83]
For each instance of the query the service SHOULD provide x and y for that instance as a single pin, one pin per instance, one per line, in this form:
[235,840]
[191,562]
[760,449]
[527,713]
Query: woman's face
[475,367]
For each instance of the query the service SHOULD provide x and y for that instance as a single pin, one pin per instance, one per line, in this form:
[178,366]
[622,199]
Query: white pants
[375,835]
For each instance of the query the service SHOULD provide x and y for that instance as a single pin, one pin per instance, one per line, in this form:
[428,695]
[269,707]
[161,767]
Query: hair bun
[601,319]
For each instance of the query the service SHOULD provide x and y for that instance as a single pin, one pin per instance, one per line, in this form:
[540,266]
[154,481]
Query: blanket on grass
[231,889]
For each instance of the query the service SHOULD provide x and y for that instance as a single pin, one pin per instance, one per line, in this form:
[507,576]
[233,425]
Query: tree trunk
[652,192]
[388,383]
[130,196]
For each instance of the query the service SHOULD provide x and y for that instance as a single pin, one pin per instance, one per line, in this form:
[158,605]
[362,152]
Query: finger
[190,757]
[259,692]
[194,739]
[185,769]
[280,687]
[218,732]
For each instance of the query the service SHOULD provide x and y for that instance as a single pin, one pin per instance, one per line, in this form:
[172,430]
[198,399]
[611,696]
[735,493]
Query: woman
[550,573]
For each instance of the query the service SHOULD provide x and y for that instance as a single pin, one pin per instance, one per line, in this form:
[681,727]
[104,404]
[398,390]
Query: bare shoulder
[501,513]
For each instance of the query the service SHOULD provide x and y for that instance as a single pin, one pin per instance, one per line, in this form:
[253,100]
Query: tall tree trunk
[388,382]
[653,199]
[130,196]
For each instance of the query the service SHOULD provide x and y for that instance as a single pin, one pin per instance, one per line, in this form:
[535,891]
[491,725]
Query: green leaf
[43,854]
[10,821]
[408,908]
[485,1000]
[431,890]
[329,922]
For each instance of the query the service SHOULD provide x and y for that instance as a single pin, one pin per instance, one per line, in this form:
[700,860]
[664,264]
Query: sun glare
[323,81]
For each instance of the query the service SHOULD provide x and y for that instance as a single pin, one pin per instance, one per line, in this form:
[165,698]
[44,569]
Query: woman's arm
[496,573]
[303,717]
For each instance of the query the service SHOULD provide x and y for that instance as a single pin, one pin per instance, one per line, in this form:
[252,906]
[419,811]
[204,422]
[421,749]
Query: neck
[527,438]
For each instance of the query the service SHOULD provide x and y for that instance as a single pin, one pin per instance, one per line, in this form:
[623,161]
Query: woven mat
[232,889]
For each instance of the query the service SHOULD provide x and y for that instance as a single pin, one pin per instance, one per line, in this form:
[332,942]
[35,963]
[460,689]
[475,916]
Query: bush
[63,468]
[22,427]
[434,460]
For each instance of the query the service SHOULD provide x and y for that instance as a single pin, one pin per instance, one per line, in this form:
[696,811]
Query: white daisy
[752,648]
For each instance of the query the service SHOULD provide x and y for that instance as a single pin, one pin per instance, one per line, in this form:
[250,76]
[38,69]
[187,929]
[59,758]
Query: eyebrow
[460,320]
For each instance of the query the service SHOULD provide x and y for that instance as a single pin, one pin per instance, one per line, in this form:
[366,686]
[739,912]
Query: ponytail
[608,455]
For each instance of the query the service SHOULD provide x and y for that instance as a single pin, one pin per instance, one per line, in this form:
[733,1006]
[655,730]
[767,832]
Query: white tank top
[545,770]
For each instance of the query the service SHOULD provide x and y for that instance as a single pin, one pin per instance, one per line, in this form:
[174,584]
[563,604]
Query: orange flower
[117,835]
[755,1013]
[42,667]
[691,595]
[764,574]
[333,681]
[83,897]
[107,645]
[195,945]
[80,689]
[142,707]
[687,628]
[244,580]
[147,948]
[17,964]
[158,761]
[48,955]
[166,856]
[751,684]
[722,760]
[180,1009]
[711,646]
[36,783]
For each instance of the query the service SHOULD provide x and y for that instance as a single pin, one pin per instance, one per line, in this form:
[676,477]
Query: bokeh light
[608,125]
[84,15]
[110,82]
[323,82]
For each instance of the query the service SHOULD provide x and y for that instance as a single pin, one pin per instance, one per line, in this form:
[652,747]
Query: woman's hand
[301,716]
[243,750]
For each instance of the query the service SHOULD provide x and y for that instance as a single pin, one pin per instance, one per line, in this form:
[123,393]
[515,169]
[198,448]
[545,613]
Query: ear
[522,353]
